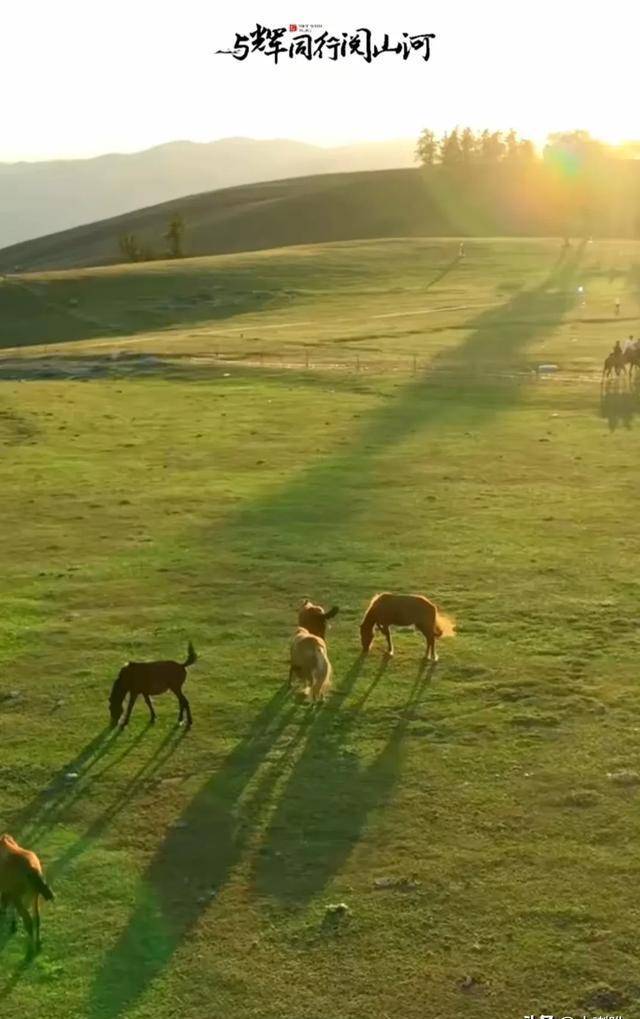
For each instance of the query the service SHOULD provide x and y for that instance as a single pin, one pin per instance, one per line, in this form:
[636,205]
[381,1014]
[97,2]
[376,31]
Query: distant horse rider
[617,305]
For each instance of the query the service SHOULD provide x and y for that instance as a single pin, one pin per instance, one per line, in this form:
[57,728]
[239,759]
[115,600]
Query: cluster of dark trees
[577,185]
[135,250]
[464,147]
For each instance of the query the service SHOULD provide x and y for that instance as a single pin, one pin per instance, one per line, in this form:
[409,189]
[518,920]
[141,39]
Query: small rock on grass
[470,983]
[402,884]
[624,777]
[12,695]
[337,910]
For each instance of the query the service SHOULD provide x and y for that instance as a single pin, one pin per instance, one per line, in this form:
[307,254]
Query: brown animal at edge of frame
[21,885]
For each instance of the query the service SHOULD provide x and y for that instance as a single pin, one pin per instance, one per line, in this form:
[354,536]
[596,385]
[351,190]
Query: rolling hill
[306,210]
[42,197]
[408,202]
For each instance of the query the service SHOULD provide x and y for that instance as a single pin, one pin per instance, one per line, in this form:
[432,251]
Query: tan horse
[310,664]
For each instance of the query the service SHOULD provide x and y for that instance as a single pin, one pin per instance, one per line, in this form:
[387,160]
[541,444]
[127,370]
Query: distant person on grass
[617,305]
[461,250]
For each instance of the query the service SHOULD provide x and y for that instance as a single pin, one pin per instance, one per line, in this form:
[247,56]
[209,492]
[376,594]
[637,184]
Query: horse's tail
[39,884]
[445,625]
[191,656]
[321,672]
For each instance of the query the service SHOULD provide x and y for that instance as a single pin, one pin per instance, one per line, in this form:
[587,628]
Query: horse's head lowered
[116,697]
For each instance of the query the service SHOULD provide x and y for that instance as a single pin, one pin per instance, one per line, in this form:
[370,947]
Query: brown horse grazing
[21,885]
[314,618]
[387,610]
[310,663]
[148,679]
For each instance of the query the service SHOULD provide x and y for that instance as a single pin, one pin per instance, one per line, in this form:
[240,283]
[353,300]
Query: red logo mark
[293,28]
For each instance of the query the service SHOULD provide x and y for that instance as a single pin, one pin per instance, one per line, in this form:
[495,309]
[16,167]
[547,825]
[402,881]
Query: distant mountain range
[43,197]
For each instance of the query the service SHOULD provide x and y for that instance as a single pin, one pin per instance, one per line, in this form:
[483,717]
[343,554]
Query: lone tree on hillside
[175,236]
[129,247]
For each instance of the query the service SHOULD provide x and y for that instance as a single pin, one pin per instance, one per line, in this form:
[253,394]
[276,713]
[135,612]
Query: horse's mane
[371,604]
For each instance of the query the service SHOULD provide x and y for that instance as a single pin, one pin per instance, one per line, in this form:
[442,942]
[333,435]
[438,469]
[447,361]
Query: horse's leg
[434,653]
[187,708]
[28,923]
[180,702]
[184,708]
[133,697]
[430,637]
[36,913]
[7,905]
[387,633]
[149,704]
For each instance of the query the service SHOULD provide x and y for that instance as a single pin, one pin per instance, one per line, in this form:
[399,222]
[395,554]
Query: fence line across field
[323,359]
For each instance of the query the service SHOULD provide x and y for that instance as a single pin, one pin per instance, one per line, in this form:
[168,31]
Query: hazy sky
[82,77]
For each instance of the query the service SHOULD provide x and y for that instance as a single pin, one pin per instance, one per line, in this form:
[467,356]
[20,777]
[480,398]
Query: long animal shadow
[619,402]
[160,756]
[329,798]
[205,844]
[74,780]
[446,269]
[77,778]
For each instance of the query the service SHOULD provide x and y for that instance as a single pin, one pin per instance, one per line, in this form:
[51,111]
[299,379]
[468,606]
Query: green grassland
[172,470]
